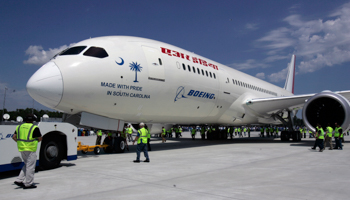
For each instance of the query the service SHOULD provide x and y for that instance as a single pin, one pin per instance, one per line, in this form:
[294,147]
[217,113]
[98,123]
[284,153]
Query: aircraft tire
[284,136]
[296,136]
[119,145]
[51,152]
[108,149]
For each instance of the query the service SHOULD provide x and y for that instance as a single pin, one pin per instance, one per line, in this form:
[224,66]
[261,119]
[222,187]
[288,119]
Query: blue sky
[256,37]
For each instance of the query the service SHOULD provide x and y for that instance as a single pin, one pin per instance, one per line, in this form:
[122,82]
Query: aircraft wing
[267,106]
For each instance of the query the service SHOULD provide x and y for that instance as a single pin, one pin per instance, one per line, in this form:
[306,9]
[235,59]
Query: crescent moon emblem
[121,63]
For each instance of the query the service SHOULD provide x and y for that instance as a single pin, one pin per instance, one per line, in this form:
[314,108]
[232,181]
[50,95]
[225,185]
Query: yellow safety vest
[329,131]
[143,136]
[99,133]
[336,131]
[130,130]
[321,136]
[25,140]
[163,133]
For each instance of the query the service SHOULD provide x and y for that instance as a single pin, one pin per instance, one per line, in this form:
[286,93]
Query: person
[329,135]
[301,132]
[148,138]
[240,132]
[261,132]
[276,132]
[193,133]
[203,132]
[305,131]
[129,130]
[310,134]
[163,134]
[248,132]
[169,133]
[141,139]
[231,133]
[180,131]
[319,137]
[99,137]
[244,130]
[123,135]
[338,131]
[27,136]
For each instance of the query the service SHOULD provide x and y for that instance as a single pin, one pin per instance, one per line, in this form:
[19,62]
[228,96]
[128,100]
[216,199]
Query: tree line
[24,112]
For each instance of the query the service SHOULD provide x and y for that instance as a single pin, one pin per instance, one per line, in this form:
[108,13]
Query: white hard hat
[142,124]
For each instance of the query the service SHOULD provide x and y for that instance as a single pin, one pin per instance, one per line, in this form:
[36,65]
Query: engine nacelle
[324,108]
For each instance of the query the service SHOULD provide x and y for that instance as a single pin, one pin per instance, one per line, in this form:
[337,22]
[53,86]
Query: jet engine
[326,107]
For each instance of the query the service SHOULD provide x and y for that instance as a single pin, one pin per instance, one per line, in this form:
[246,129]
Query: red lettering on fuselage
[174,53]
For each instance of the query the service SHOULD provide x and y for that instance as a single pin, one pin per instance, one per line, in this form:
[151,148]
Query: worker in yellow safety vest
[163,135]
[141,139]
[123,135]
[99,137]
[129,130]
[203,132]
[27,136]
[338,132]
[319,137]
[329,135]
[193,132]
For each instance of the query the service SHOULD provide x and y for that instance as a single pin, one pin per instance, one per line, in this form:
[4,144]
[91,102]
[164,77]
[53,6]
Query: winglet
[289,86]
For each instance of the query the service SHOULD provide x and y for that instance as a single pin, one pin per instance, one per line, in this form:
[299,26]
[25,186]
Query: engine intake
[324,108]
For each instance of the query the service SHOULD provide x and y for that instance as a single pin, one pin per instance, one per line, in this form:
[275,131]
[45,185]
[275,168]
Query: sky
[253,36]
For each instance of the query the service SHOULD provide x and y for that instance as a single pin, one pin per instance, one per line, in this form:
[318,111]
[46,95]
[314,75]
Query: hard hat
[142,124]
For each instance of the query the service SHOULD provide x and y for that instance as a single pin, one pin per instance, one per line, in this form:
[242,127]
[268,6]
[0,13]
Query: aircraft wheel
[51,152]
[108,142]
[284,136]
[119,145]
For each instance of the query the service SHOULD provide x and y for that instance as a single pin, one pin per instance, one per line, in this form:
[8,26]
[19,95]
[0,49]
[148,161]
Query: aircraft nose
[46,85]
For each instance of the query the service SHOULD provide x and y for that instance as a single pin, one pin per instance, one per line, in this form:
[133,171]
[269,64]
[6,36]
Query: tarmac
[241,168]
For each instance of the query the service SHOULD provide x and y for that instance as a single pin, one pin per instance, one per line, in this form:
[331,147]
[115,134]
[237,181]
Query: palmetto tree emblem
[135,67]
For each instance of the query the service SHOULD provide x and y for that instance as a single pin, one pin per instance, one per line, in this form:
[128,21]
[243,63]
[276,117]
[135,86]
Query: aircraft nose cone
[46,85]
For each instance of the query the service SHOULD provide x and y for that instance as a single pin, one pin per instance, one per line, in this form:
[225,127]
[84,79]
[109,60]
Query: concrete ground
[242,168]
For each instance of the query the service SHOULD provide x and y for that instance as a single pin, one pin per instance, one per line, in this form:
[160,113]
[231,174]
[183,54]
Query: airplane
[107,81]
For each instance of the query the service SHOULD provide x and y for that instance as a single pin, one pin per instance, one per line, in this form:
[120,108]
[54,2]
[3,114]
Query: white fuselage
[149,81]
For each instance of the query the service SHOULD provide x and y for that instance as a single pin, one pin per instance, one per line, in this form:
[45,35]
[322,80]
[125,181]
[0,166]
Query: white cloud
[39,56]
[279,76]
[260,75]
[318,43]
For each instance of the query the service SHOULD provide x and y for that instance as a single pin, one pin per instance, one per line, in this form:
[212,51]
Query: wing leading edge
[266,107]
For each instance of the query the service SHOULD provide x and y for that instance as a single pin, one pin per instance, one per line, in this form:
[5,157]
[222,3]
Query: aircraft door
[154,63]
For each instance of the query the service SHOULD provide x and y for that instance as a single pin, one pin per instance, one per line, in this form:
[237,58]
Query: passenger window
[189,68]
[210,75]
[184,66]
[194,70]
[214,75]
[96,52]
[160,61]
[206,72]
[198,71]
[203,72]
[73,51]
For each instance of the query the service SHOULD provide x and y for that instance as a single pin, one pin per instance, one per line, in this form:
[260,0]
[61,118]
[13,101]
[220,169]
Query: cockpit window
[73,50]
[96,52]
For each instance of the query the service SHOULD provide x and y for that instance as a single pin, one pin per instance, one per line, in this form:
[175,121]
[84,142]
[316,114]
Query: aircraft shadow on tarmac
[180,143]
